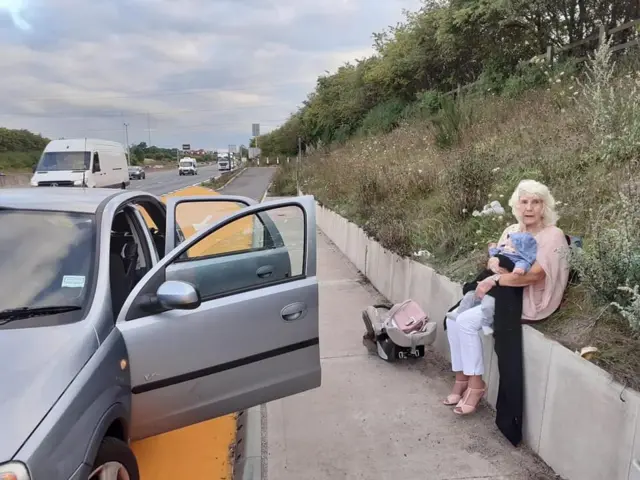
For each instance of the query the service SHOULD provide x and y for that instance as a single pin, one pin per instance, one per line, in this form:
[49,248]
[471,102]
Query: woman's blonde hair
[532,187]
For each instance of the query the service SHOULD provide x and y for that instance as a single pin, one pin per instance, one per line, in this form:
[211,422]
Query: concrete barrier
[14,180]
[581,422]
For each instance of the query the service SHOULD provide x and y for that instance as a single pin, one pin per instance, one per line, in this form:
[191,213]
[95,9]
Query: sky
[176,71]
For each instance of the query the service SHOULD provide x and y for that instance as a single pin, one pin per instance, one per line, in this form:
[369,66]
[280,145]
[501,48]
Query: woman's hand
[494,265]
[484,286]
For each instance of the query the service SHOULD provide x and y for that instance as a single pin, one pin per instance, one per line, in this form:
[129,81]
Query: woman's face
[530,208]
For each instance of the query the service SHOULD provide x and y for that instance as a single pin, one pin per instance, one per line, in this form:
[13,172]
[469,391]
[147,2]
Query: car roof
[60,199]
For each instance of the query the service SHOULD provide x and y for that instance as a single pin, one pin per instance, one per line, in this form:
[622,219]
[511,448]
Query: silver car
[112,331]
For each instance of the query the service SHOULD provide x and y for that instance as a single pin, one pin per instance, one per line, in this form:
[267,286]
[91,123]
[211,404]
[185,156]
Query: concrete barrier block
[589,423]
[419,276]
[384,272]
[340,233]
[421,280]
[362,242]
[400,279]
[537,362]
[491,375]
[373,263]
[332,225]
[352,242]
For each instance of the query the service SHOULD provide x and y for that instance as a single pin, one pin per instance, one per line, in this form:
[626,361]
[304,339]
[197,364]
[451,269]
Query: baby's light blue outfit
[525,255]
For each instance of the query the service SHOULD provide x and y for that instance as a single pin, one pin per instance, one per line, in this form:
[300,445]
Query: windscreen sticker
[73,281]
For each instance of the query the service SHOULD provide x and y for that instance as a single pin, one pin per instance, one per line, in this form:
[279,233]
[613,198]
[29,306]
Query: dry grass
[412,195]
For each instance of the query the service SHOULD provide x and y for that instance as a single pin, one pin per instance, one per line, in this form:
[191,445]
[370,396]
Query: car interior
[128,259]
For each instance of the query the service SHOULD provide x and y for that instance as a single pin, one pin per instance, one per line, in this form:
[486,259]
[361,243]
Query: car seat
[398,331]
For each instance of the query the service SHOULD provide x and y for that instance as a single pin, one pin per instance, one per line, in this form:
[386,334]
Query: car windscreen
[46,260]
[186,163]
[57,161]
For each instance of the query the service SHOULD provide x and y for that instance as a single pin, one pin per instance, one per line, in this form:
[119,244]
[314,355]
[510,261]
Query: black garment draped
[507,334]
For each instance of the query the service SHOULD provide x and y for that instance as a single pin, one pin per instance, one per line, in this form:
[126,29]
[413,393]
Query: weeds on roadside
[610,263]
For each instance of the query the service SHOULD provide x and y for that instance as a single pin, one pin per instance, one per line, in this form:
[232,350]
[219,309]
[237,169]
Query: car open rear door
[252,338]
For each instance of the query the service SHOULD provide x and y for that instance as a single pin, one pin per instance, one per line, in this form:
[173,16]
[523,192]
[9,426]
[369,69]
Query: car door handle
[294,311]
[264,272]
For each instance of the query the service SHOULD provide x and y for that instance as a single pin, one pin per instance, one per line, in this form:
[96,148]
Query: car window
[46,260]
[240,256]
[192,217]
[96,162]
[56,161]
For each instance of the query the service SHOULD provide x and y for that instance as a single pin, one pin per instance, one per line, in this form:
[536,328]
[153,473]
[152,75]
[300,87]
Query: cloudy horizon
[177,71]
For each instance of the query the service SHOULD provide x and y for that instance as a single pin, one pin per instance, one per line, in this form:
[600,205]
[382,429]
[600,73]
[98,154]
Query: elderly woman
[544,284]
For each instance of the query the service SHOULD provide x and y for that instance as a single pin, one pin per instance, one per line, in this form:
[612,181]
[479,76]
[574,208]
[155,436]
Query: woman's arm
[534,275]
[511,280]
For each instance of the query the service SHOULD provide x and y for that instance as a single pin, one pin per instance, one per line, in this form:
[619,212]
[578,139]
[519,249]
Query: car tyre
[115,461]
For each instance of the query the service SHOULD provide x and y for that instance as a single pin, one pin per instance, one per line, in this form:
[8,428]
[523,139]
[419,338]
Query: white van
[188,166]
[82,162]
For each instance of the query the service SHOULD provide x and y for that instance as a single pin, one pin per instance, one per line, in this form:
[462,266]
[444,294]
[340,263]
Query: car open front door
[203,343]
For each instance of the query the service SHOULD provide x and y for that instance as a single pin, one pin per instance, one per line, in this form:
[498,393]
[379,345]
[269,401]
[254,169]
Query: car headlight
[77,183]
[14,471]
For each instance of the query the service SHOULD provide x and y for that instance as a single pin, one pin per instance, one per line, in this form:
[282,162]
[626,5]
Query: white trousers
[465,343]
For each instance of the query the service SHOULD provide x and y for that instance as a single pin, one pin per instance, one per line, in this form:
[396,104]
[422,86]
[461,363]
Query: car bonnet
[38,366]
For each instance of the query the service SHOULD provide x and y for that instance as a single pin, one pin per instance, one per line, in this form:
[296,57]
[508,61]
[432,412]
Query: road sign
[186,146]
[254,152]
[255,129]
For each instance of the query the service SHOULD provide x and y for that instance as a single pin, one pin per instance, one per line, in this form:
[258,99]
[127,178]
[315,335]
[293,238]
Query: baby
[517,255]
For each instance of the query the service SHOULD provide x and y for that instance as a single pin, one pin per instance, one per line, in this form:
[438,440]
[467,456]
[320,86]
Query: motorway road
[252,183]
[165,181]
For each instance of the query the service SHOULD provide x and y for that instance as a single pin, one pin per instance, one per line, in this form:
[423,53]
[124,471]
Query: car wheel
[115,461]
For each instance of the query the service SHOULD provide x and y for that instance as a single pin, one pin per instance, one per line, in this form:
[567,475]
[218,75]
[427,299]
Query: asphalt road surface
[165,181]
[252,183]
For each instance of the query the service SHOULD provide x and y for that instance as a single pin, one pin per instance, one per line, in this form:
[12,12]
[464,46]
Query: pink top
[544,297]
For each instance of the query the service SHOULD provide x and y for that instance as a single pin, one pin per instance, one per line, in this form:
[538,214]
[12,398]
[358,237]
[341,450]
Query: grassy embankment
[415,190]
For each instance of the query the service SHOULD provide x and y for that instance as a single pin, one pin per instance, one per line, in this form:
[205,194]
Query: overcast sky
[196,71]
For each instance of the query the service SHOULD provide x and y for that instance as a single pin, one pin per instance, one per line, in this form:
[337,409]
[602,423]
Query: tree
[440,46]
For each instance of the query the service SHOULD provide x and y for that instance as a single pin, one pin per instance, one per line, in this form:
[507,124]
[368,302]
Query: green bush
[455,116]
[383,118]
[428,104]
[469,182]
[19,160]
[284,181]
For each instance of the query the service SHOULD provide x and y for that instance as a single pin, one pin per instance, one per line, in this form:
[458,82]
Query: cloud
[183,71]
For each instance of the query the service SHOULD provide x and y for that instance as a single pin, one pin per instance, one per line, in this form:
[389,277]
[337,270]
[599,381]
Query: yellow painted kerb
[202,451]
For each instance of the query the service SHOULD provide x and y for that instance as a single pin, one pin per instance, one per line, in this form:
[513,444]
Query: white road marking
[203,224]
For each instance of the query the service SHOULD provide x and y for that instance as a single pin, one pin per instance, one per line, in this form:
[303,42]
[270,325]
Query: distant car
[113,331]
[136,173]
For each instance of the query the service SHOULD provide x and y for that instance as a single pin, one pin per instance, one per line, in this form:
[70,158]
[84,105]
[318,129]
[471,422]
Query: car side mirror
[177,295]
